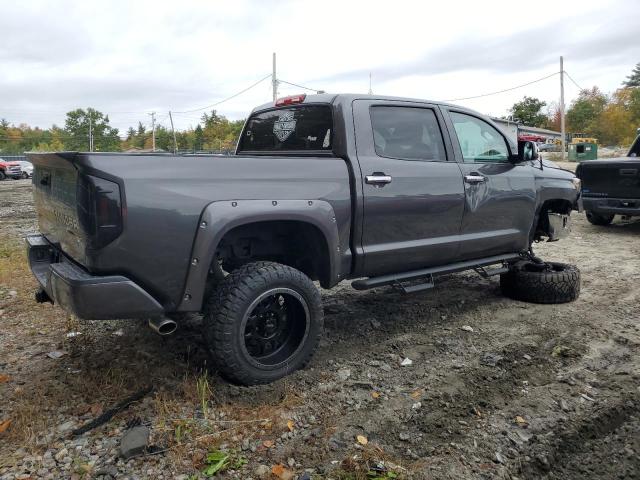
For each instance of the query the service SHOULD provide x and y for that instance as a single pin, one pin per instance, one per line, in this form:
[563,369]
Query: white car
[27,168]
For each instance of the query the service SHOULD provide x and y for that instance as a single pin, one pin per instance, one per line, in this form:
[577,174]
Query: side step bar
[427,274]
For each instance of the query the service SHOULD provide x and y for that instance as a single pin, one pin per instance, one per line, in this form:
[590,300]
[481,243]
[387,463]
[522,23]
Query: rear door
[500,196]
[413,194]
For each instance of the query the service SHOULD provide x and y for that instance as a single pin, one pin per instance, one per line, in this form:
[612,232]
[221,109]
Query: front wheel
[2,175]
[599,219]
[262,322]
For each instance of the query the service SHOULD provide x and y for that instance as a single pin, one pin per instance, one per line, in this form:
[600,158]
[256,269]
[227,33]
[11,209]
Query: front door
[500,196]
[413,195]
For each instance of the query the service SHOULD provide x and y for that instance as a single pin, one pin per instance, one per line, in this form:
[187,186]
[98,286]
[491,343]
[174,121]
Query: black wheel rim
[275,327]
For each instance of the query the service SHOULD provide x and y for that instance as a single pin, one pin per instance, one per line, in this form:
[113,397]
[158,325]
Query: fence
[13,158]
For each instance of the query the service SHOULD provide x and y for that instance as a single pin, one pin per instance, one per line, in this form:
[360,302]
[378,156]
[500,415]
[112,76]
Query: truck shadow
[126,355]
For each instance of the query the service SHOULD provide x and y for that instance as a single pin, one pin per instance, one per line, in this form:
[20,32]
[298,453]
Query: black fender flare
[220,217]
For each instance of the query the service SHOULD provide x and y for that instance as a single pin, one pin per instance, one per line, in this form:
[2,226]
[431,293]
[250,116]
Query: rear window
[300,128]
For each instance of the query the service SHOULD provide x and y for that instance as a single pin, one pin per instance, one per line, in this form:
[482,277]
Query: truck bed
[162,199]
[611,178]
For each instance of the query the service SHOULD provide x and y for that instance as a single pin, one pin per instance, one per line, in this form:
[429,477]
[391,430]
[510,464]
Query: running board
[427,274]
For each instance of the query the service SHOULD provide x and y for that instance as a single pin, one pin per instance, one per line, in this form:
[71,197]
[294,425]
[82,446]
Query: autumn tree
[528,111]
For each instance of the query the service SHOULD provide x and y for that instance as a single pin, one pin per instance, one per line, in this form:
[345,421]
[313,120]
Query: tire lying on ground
[550,282]
[262,322]
[599,219]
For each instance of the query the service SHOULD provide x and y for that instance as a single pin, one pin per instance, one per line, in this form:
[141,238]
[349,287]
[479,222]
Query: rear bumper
[91,297]
[612,206]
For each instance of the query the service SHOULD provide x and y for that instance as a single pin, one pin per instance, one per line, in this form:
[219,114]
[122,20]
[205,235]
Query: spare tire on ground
[548,282]
[599,219]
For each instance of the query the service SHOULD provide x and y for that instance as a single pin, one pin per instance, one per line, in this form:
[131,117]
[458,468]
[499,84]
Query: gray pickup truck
[611,186]
[382,190]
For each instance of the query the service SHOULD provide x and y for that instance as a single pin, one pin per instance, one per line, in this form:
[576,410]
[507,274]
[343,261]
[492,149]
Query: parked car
[27,168]
[611,187]
[382,190]
[10,170]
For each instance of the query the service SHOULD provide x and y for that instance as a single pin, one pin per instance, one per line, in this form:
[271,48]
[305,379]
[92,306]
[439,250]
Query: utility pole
[90,131]
[562,132]
[370,91]
[274,79]
[175,143]
[153,130]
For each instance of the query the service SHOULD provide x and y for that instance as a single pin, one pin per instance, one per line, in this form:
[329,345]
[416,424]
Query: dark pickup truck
[611,187]
[387,191]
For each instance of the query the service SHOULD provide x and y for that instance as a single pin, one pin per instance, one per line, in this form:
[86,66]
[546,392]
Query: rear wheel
[25,175]
[262,322]
[599,219]
[548,282]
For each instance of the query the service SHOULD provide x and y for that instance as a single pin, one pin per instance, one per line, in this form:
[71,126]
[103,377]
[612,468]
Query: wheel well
[542,221]
[295,243]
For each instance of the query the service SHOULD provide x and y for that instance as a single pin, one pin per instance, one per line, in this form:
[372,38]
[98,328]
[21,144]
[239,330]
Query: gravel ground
[528,391]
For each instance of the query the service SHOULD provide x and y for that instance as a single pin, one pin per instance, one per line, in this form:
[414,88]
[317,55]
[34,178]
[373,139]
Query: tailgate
[55,190]
[610,179]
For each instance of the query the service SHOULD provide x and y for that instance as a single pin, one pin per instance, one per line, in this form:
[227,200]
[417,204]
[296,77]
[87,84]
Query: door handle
[475,178]
[378,179]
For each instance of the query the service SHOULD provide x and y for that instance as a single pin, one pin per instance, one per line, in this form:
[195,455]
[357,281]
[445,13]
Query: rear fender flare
[218,218]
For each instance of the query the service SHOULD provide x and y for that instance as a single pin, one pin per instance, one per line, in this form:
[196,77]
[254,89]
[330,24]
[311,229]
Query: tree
[617,123]
[528,112]
[105,137]
[633,80]
[198,138]
[585,110]
[140,136]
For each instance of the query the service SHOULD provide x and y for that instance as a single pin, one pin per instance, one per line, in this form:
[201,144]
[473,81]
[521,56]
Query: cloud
[522,51]
[135,57]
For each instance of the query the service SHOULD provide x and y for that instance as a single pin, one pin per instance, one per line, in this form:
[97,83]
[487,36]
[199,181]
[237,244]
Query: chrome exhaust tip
[163,326]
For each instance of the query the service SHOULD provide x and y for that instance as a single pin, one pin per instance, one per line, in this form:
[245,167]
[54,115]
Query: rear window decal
[284,126]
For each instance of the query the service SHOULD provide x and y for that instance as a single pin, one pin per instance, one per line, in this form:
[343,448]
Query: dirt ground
[529,391]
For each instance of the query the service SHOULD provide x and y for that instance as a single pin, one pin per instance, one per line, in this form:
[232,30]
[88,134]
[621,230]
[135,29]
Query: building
[513,130]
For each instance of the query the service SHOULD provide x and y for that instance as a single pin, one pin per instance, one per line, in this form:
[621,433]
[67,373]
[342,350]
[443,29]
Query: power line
[228,98]
[574,82]
[300,86]
[502,91]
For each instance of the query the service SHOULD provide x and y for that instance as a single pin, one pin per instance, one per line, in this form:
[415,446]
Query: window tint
[407,133]
[479,141]
[304,127]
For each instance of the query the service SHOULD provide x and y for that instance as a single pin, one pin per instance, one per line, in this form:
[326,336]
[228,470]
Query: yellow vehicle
[582,138]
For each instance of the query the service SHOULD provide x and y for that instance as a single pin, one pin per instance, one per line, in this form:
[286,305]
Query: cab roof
[349,97]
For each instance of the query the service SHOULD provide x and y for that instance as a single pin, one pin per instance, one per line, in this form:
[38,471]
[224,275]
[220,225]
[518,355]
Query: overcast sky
[128,58]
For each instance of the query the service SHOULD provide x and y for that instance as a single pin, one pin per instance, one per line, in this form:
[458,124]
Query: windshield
[299,128]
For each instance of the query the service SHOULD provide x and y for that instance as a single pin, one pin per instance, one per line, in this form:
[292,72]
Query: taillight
[291,100]
[99,210]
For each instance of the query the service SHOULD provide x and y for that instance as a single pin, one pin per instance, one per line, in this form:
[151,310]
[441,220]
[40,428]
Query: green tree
[633,80]
[140,136]
[528,112]
[198,138]
[105,137]
[584,111]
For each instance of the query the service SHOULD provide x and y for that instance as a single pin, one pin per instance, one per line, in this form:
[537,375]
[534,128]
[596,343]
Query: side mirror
[527,151]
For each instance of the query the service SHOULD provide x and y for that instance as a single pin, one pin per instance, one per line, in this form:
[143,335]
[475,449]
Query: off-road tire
[227,306]
[2,175]
[531,282]
[599,219]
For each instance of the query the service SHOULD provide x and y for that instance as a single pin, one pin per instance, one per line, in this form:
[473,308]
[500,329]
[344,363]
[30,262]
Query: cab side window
[407,133]
[479,141]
